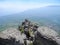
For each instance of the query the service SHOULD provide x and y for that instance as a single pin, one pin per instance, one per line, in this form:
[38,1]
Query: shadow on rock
[11,41]
[40,40]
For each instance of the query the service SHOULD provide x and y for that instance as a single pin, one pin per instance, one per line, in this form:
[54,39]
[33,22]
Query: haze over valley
[47,16]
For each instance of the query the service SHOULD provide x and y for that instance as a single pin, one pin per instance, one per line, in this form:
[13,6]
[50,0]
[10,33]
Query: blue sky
[8,7]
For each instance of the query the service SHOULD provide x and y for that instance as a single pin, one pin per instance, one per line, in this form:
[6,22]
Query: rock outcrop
[49,35]
[44,36]
[14,33]
[40,40]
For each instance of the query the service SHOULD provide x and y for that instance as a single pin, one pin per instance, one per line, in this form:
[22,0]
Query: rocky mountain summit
[43,36]
[29,34]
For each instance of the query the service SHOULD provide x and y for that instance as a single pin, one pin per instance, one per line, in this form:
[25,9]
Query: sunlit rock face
[48,36]
[14,33]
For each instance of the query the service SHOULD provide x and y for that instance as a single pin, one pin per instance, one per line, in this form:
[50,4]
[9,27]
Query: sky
[8,7]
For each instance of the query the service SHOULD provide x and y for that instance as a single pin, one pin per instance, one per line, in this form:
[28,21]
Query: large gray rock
[49,34]
[14,33]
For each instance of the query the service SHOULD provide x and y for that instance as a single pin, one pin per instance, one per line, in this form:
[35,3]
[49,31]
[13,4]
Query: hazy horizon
[8,7]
